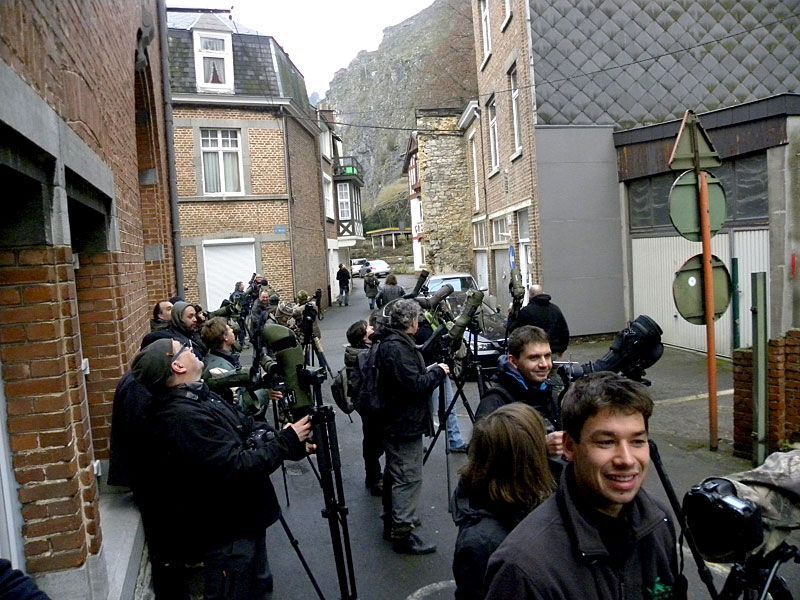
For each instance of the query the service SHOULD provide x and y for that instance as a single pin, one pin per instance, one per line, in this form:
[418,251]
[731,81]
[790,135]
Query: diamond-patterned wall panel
[649,66]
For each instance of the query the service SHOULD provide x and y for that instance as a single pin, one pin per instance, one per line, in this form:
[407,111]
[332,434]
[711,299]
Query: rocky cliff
[427,61]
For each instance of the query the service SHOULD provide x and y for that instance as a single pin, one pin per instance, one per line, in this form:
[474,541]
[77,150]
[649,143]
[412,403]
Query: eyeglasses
[186,346]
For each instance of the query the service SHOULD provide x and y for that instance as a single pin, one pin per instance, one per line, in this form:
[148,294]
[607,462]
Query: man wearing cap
[209,496]
[182,327]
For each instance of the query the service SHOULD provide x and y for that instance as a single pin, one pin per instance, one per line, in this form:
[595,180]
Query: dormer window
[213,61]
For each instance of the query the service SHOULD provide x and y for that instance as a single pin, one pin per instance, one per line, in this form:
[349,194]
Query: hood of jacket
[541,299]
[510,376]
[464,511]
[175,319]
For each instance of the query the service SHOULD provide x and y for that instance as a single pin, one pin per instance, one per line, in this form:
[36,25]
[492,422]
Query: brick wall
[308,234]
[78,58]
[515,180]
[48,418]
[783,394]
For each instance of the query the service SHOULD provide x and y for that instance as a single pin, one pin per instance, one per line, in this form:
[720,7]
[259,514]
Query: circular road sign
[687,289]
[683,205]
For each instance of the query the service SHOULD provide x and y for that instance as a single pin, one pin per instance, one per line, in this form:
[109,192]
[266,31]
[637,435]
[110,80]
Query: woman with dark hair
[389,291]
[507,476]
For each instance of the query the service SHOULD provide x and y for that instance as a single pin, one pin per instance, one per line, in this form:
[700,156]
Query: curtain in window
[231,162]
[214,70]
[211,172]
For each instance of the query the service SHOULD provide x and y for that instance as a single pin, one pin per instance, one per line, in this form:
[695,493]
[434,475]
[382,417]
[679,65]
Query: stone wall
[447,201]
[783,394]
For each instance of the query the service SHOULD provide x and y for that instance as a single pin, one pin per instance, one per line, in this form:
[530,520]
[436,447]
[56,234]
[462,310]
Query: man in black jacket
[209,496]
[600,537]
[343,277]
[405,386]
[522,377]
[540,312]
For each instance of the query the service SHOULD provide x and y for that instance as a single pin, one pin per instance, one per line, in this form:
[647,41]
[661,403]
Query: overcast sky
[320,36]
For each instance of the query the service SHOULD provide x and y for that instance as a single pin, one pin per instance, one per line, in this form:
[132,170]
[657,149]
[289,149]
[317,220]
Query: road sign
[683,209]
[684,152]
[512,258]
[687,289]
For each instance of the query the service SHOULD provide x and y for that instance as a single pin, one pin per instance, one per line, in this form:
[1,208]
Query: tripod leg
[439,429]
[296,545]
[460,394]
[283,464]
[332,510]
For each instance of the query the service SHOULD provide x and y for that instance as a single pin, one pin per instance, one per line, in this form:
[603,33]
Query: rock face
[427,61]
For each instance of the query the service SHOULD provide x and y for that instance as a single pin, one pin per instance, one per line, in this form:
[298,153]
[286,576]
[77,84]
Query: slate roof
[617,37]
[254,59]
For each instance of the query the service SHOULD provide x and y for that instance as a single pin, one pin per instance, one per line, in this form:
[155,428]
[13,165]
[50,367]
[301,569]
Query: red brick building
[85,249]
[248,160]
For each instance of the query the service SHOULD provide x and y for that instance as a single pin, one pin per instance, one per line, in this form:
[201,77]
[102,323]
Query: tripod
[445,409]
[323,421]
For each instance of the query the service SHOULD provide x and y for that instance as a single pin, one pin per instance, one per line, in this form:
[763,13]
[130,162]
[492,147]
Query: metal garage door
[225,263]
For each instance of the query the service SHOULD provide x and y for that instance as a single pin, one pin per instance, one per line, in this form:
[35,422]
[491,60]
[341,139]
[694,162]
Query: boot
[412,544]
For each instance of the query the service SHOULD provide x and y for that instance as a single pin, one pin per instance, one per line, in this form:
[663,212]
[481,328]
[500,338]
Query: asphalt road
[679,425]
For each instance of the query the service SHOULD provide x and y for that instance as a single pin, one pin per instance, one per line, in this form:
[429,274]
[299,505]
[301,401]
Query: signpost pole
[708,295]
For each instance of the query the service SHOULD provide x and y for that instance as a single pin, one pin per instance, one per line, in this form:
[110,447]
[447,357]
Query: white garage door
[226,262]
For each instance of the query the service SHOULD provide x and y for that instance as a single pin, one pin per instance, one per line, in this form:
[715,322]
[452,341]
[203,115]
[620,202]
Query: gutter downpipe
[169,133]
[290,199]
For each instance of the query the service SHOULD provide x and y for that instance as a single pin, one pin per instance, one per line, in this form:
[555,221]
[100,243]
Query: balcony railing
[348,165]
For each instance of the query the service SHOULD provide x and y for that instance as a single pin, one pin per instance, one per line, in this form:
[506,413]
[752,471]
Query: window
[486,28]
[343,191]
[494,148]
[515,120]
[213,62]
[479,234]
[523,229]
[327,194]
[325,143]
[412,174]
[507,18]
[500,233]
[222,161]
[475,188]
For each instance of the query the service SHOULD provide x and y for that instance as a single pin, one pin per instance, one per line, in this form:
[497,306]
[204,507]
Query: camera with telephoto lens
[724,527]
[634,349]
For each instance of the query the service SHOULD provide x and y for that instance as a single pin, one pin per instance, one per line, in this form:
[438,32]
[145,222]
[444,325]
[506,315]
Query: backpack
[364,388]
[341,392]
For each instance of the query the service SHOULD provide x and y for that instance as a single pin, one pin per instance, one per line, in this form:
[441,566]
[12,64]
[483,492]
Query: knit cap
[152,366]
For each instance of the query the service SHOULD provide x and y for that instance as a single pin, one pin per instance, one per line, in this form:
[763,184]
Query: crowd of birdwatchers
[549,504]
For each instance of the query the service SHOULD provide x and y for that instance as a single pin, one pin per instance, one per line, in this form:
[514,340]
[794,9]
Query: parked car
[355,266]
[380,267]
[491,338]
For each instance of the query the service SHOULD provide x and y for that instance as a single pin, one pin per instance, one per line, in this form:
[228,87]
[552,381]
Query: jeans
[454,439]
[343,292]
[371,303]
[402,484]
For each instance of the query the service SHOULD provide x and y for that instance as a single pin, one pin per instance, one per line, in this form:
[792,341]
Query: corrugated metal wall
[655,261]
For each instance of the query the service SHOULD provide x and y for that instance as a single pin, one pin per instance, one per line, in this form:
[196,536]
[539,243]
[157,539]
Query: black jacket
[405,385]
[480,532]
[128,432]
[557,552]
[343,277]
[180,334]
[543,313]
[516,389]
[210,484]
